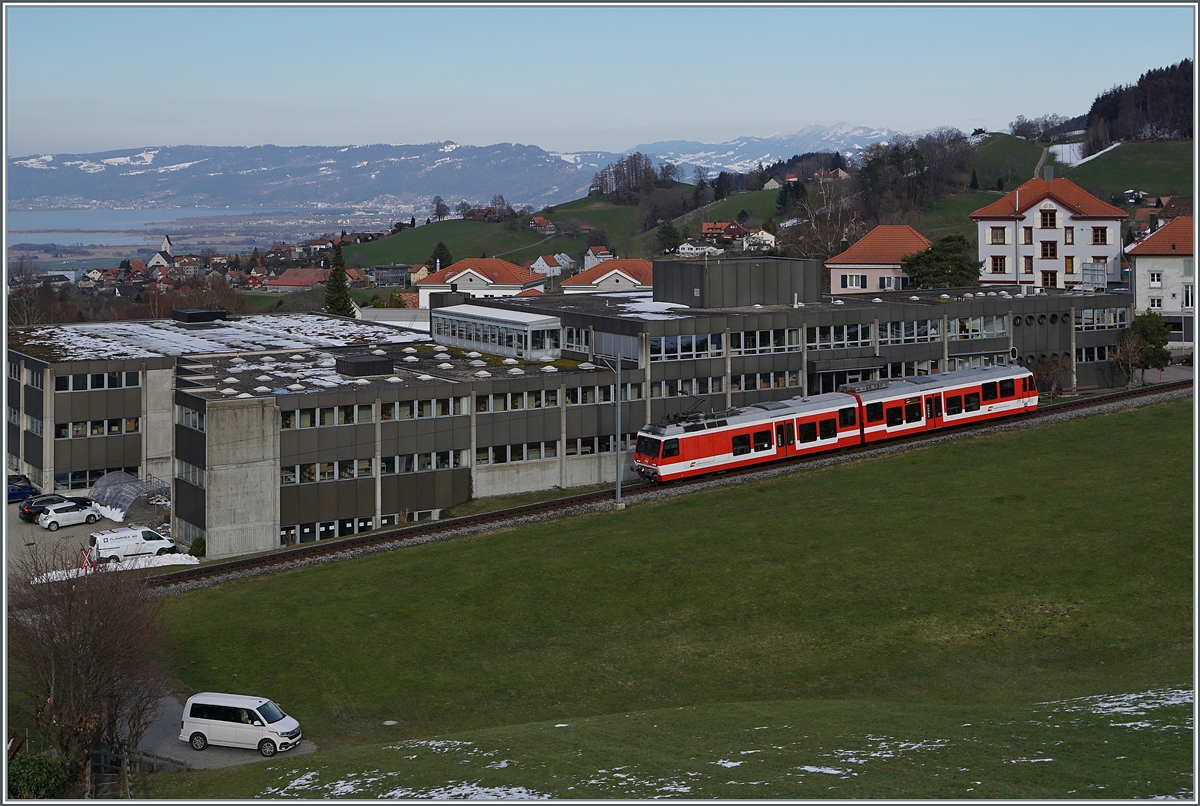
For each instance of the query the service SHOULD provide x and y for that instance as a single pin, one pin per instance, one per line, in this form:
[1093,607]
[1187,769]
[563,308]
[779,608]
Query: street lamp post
[615,365]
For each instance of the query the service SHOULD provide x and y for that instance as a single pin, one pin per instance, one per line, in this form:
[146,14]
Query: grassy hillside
[929,618]
[951,216]
[1162,168]
[1013,158]
[463,238]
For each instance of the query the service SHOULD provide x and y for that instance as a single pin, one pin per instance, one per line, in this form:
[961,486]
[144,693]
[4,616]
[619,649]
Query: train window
[762,440]
[741,445]
[989,390]
[808,432]
[829,429]
[846,416]
[874,412]
[954,405]
[895,416]
[670,448]
[972,402]
[647,446]
[912,412]
[1008,388]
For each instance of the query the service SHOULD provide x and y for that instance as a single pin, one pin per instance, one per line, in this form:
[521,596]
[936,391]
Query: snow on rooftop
[641,305]
[151,339]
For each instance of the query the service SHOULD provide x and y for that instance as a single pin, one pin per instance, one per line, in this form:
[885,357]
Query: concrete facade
[273,432]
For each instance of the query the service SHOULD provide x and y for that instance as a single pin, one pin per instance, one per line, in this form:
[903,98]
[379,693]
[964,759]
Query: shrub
[197,548]
[36,776]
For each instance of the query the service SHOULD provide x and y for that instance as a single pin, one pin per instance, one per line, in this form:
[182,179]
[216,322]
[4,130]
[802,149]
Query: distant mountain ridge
[400,178]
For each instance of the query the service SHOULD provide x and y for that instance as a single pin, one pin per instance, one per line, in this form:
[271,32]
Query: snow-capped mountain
[399,177]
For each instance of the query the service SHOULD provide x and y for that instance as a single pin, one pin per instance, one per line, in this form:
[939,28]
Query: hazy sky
[84,79]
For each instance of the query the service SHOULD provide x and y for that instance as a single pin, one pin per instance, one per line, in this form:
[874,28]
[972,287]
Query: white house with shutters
[1043,232]
[1164,279]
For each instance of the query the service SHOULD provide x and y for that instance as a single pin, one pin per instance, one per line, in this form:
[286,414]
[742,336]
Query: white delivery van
[116,545]
[236,721]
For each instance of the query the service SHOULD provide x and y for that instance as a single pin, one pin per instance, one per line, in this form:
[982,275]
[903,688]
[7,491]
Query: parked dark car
[32,507]
[18,478]
[20,490]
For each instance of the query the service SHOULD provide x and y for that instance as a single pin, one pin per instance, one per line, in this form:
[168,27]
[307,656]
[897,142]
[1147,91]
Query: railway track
[430,530]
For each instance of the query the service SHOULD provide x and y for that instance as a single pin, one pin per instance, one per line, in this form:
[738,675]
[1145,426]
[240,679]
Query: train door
[933,411]
[785,438]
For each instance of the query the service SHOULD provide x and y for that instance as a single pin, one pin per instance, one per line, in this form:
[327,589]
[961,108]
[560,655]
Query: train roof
[792,407]
[924,384]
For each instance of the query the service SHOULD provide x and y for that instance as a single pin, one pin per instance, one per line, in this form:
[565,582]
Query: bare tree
[82,653]
[27,302]
[439,208]
[1129,354]
[700,175]
[1049,370]
[463,208]
[668,172]
[828,216]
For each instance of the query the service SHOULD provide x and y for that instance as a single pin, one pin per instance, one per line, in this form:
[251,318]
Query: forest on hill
[1158,107]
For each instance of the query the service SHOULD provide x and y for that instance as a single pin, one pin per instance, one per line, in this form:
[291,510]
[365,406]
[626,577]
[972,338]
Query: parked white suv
[68,513]
[237,721]
[116,545]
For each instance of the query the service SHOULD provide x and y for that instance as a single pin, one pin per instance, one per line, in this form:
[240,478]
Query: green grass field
[916,612]
[1162,168]
[1010,157]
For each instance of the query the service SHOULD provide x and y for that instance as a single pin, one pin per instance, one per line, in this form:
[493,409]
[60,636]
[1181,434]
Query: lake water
[108,227]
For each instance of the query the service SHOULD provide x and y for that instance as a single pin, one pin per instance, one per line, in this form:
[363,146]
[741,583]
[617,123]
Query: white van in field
[236,721]
[117,545]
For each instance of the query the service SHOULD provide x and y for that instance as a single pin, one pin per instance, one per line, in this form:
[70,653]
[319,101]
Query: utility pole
[615,365]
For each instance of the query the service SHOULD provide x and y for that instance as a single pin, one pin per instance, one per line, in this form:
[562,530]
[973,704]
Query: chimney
[1153,224]
[1048,173]
[845,243]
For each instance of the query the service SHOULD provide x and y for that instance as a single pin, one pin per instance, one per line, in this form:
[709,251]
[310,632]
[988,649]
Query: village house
[547,265]
[1043,232]
[627,274]
[873,262]
[542,226]
[1164,279]
[712,231]
[595,255]
[693,248]
[480,277]
[772,184]
[759,239]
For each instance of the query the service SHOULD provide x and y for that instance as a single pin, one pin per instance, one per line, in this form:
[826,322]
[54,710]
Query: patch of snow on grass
[1027,760]
[727,763]
[823,770]
[499,765]
[1136,704]
[467,791]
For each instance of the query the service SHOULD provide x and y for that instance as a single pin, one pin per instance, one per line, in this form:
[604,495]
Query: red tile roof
[1173,238]
[597,251]
[640,271]
[883,245]
[300,277]
[713,227]
[549,260]
[530,292]
[1063,191]
[498,271]
[538,221]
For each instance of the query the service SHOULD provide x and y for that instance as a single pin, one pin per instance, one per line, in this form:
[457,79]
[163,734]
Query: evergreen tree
[1155,334]
[668,235]
[126,265]
[337,290]
[721,186]
[839,162]
[412,222]
[1000,184]
[947,263]
[974,180]
[440,253]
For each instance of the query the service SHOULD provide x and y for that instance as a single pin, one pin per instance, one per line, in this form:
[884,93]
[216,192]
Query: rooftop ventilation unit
[194,315]
[358,366]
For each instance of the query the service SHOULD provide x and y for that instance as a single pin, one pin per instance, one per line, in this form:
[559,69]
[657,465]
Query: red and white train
[865,412]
